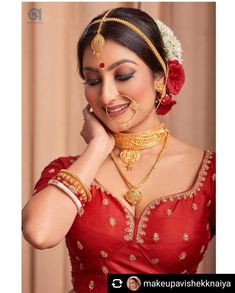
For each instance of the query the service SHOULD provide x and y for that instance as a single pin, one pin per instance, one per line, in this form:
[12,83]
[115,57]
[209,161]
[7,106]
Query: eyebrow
[111,67]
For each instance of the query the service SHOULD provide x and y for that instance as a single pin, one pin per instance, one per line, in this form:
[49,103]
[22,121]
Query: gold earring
[161,88]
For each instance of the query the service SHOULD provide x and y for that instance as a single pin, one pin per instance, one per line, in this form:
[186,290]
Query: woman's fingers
[87,113]
[86,110]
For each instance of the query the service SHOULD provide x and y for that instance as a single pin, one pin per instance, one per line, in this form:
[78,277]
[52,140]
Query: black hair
[125,36]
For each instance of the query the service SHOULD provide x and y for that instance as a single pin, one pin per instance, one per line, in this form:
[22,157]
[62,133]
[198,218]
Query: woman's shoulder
[63,161]
[181,148]
[52,168]
[189,156]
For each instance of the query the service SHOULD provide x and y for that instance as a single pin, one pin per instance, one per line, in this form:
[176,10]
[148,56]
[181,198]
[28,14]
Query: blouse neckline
[189,193]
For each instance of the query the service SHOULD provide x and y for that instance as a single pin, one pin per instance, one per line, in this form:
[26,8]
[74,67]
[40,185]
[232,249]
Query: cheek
[141,89]
[90,95]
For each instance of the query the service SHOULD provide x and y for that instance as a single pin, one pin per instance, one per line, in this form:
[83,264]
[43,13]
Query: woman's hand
[94,131]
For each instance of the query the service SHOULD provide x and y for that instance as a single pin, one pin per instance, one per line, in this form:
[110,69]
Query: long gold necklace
[133,196]
[132,143]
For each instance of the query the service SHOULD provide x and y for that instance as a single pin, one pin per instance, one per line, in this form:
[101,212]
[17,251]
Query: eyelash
[123,77]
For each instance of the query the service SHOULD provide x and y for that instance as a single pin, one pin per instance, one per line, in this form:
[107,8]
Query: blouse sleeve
[51,170]
[212,218]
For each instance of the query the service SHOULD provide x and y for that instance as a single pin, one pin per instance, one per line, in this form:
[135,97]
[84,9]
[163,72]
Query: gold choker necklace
[132,143]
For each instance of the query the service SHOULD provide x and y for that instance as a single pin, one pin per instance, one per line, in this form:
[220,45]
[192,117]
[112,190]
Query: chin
[115,127]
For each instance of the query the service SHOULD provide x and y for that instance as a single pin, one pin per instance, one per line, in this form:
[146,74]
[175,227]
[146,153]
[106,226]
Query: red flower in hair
[166,104]
[176,77]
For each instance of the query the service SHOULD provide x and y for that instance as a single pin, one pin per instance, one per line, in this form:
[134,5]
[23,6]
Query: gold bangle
[76,182]
[77,190]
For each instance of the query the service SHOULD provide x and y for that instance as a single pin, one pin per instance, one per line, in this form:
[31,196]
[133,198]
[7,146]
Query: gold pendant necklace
[131,144]
[134,196]
[129,157]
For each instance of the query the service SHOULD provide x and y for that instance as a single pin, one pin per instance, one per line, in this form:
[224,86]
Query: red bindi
[102,65]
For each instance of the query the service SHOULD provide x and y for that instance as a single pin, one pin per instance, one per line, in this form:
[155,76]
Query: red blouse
[171,236]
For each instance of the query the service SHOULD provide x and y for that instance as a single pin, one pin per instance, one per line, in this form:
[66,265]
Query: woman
[137,200]
[133,283]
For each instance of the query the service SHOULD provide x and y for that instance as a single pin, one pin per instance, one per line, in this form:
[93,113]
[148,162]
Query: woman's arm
[48,215]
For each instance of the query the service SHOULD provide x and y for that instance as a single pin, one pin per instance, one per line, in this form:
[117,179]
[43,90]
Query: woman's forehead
[112,52]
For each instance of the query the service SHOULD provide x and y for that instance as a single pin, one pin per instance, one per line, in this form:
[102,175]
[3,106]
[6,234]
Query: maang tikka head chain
[98,41]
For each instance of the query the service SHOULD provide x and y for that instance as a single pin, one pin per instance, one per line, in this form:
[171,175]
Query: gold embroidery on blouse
[112,221]
[103,254]
[79,245]
[105,201]
[169,212]
[154,260]
[171,198]
[202,249]
[182,256]
[132,257]
[185,237]
[194,206]
[144,218]
[130,225]
[51,171]
[91,285]
[101,187]
[156,236]
[105,270]
[80,264]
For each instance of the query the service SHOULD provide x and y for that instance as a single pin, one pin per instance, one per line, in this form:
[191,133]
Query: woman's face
[132,284]
[124,74]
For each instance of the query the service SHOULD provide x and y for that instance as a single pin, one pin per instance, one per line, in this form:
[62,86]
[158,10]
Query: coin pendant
[133,196]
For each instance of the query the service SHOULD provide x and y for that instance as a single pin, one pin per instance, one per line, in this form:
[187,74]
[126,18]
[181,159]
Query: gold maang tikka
[131,144]
[98,41]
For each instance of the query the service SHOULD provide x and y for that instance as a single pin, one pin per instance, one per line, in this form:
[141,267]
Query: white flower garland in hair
[172,45]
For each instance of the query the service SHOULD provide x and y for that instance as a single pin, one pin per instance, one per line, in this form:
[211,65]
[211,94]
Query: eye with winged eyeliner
[118,77]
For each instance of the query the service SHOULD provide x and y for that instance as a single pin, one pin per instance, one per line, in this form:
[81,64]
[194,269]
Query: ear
[159,84]
[159,78]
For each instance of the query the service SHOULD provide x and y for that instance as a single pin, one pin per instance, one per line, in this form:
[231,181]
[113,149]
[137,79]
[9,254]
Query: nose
[108,92]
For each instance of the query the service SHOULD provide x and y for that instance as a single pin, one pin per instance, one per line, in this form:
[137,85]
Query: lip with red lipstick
[116,110]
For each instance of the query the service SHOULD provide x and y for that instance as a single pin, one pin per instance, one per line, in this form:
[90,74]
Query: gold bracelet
[77,190]
[76,182]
